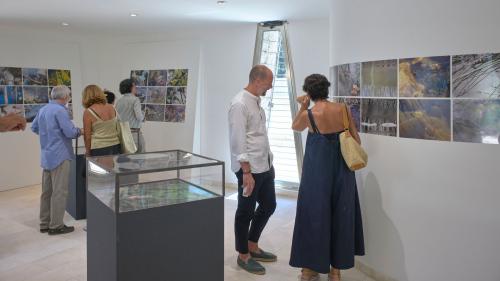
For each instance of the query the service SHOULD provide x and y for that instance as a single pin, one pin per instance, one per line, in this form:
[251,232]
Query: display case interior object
[146,208]
[155,179]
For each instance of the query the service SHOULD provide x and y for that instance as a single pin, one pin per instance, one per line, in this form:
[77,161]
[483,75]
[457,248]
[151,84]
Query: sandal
[334,275]
[309,275]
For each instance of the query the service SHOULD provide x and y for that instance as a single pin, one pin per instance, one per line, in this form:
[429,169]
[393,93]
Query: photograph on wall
[11,109]
[156,95]
[176,95]
[424,77]
[140,77]
[476,76]
[349,76]
[425,119]
[142,93]
[59,77]
[175,113]
[11,95]
[178,77]
[35,77]
[476,121]
[379,116]
[379,78]
[334,73]
[33,94]
[30,111]
[158,78]
[11,76]
[155,112]
[354,105]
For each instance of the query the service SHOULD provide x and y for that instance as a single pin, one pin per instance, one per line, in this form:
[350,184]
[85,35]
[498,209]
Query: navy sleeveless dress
[328,228]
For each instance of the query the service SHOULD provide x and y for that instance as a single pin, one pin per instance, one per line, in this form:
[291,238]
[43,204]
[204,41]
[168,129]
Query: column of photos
[24,91]
[446,98]
[162,93]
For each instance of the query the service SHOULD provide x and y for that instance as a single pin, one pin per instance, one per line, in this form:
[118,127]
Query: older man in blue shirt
[56,130]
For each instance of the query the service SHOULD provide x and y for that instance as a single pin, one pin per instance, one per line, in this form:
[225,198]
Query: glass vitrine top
[148,162]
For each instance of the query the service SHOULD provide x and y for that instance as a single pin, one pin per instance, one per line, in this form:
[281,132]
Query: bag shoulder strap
[94,114]
[345,117]
[311,120]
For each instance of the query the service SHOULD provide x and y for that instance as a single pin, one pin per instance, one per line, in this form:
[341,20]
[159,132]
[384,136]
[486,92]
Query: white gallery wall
[228,59]
[218,58]
[118,56]
[20,156]
[430,208]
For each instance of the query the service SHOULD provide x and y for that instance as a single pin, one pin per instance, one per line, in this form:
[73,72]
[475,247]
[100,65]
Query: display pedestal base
[175,242]
[77,195]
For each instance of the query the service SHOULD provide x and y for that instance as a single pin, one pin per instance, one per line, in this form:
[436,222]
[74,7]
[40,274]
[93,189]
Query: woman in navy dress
[328,230]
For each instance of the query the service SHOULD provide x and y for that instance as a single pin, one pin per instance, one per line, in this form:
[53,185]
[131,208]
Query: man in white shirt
[251,160]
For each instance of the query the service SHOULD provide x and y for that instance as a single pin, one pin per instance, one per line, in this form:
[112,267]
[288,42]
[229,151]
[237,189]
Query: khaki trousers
[55,185]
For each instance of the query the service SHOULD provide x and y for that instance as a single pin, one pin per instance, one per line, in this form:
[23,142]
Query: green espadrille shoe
[264,256]
[252,266]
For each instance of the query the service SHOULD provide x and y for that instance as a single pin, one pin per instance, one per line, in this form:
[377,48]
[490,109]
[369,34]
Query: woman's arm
[300,122]
[352,127]
[87,131]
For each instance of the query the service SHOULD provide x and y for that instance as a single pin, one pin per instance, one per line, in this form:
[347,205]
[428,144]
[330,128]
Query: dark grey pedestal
[169,243]
[77,203]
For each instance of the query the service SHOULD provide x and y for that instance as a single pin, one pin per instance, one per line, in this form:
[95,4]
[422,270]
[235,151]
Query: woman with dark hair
[328,231]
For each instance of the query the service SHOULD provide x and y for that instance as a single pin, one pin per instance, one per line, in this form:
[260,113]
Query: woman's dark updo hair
[316,86]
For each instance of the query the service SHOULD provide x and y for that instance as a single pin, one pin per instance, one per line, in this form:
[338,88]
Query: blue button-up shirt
[56,130]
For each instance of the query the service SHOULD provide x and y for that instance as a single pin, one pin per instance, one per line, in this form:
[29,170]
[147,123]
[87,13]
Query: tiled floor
[26,254]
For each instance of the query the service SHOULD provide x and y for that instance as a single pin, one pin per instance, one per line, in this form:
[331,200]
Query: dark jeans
[265,195]
[108,150]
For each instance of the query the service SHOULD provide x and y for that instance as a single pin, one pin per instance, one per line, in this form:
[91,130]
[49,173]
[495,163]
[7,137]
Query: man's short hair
[60,92]
[126,86]
[258,72]
[110,96]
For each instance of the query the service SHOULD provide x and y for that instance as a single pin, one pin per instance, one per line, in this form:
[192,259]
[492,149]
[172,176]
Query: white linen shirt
[248,134]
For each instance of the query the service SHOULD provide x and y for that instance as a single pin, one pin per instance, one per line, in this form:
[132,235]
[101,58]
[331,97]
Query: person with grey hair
[54,126]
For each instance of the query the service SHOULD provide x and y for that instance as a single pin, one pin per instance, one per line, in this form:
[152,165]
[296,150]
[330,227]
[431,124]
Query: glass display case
[146,208]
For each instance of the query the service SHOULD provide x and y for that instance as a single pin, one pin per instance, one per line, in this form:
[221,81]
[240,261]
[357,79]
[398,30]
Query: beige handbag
[354,155]
[126,138]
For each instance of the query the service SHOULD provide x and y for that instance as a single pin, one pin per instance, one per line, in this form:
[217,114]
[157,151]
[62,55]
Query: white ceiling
[154,15]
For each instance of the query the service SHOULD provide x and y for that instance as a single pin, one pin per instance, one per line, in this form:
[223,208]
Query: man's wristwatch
[247,172]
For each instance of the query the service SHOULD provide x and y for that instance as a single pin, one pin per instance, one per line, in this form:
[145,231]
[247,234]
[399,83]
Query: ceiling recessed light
[221,2]
[64,24]
[133,14]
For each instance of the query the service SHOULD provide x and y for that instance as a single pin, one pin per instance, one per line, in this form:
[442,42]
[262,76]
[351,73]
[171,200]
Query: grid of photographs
[24,91]
[162,93]
[444,98]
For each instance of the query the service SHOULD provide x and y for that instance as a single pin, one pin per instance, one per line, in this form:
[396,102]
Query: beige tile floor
[26,254]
